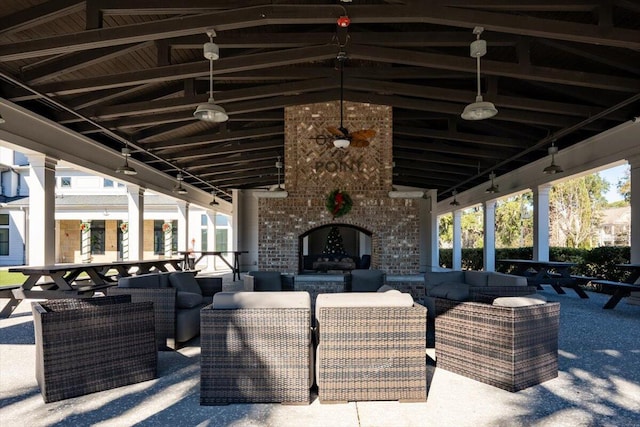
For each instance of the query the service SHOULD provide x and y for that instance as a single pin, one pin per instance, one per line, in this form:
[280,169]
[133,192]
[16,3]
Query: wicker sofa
[89,345]
[468,284]
[256,347]
[177,299]
[511,343]
[371,346]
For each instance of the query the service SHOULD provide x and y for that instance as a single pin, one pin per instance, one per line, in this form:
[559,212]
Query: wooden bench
[621,290]
[7,292]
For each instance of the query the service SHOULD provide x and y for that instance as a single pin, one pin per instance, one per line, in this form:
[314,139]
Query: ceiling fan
[343,138]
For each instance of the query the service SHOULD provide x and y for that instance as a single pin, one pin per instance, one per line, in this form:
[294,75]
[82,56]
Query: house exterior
[91,218]
[615,228]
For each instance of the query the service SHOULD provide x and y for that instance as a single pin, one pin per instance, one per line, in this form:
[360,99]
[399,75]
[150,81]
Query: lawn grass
[7,278]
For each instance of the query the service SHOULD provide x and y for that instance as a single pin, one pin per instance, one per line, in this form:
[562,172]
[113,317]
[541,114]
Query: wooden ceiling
[133,70]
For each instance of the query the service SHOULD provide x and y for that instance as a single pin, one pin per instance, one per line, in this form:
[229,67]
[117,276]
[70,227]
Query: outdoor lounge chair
[89,345]
[507,347]
[371,346]
[256,347]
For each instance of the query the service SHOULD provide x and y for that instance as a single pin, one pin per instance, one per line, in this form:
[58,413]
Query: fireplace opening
[334,248]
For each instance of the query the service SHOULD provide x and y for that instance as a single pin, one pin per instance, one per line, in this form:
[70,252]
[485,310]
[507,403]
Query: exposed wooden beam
[194,141]
[459,136]
[38,15]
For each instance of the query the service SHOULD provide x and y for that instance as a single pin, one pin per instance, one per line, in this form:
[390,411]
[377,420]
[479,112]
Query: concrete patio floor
[598,385]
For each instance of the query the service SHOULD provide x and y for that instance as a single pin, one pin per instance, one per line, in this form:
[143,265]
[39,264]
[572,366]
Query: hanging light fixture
[480,109]
[342,141]
[279,167]
[125,169]
[494,188]
[179,189]
[553,168]
[213,202]
[454,202]
[210,111]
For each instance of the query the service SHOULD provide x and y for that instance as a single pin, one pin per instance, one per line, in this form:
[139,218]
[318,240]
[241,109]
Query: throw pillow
[184,281]
[188,299]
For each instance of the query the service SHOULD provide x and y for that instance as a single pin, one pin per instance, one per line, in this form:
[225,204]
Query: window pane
[158,237]
[221,240]
[222,220]
[203,240]
[97,237]
[4,219]
[107,183]
[203,220]
[65,181]
[4,241]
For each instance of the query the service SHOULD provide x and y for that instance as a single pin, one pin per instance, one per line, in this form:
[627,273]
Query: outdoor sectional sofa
[177,299]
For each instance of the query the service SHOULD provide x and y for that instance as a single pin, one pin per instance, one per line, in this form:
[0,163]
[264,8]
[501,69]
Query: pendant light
[125,169]
[179,189]
[454,202]
[210,111]
[214,202]
[494,188]
[279,167]
[553,168]
[342,142]
[480,109]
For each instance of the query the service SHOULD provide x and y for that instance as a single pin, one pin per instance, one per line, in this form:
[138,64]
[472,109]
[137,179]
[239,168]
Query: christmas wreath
[166,227]
[85,226]
[338,203]
[124,227]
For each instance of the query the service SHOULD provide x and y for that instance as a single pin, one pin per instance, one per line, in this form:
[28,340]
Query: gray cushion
[188,299]
[476,278]
[266,281]
[501,279]
[363,299]
[386,288]
[437,277]
[523,301]
[163,279]
[239,300]
[145,281]
[366,280]
[184,281]
[452,291]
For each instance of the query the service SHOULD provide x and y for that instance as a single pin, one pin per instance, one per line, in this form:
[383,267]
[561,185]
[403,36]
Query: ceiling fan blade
[335,131]
[359,143]
[363,134]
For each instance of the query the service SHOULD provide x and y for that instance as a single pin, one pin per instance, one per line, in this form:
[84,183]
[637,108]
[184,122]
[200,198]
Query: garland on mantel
[338,203]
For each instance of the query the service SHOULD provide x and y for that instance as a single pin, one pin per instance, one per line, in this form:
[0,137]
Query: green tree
[445,231]
[575,210]
[472,228]
[514,222]
[624,186]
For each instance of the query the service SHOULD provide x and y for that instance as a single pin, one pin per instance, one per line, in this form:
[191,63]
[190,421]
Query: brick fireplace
[313,167]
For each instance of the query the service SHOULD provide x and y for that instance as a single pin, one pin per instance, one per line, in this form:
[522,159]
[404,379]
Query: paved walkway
[598,385]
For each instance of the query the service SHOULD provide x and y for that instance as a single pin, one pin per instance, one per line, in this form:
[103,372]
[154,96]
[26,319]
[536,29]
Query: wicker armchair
[256,347]
[89,345]
[507,347]
[371,346]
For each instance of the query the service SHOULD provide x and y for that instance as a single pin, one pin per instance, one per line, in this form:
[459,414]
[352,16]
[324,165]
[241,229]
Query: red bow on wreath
[338,203]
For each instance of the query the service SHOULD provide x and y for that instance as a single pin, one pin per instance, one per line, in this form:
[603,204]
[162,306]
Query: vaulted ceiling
[133,71]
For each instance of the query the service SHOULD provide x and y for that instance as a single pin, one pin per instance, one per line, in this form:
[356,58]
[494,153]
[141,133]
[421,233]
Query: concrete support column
[541,222]
[456,255]
[429,255]
[183,225]
[41,244]
[133,239]
[489,250]
[634,162]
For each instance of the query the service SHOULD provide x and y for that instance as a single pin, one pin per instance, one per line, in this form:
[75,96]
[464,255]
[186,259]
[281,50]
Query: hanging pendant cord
[341,91]
[211,73]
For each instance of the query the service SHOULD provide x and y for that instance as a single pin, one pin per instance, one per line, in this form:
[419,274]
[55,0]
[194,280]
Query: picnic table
[235,267]
[622,289]
[554,273]
[57,281]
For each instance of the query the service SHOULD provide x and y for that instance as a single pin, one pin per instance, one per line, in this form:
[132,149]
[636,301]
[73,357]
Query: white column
[183,225]
[134,238]
[211,238]
[456,252]
[429,256]
[489,250]
[541,222]
[634,162]
[41,245]
[85,240]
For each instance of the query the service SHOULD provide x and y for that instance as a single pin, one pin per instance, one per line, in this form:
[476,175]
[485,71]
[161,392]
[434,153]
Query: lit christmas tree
[335,244]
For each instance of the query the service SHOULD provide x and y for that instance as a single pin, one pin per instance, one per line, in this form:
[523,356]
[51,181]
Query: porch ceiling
[556,70]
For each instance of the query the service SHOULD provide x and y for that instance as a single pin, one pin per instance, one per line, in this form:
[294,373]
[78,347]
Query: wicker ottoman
[507,347]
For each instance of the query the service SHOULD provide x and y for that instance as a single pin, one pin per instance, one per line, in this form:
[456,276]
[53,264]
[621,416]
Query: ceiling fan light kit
[210,111]
[493,189]
[480,109]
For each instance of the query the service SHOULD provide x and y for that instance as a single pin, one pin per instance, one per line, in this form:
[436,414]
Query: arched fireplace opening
[334,247]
